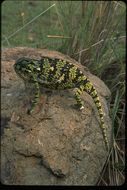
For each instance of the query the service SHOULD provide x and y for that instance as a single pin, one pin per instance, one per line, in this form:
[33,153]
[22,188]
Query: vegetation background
[92,32]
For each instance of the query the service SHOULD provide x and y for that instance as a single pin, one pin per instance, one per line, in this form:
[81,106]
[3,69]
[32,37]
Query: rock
[57,144]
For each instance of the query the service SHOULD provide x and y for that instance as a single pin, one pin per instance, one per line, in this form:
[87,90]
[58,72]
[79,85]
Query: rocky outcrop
[57,144]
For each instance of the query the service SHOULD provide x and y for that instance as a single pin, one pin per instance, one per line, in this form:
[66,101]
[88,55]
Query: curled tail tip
[107,145]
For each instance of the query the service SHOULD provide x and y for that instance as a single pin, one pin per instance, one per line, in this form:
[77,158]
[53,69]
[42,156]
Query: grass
[92,32]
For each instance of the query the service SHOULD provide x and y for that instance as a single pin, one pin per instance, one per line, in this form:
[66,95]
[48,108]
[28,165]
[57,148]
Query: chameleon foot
[81,108]
[29,111]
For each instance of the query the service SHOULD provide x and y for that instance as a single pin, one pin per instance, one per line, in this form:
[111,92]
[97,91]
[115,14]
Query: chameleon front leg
[36,95]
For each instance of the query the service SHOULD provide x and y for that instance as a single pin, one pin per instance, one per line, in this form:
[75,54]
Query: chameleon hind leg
[80,103]
[36,96]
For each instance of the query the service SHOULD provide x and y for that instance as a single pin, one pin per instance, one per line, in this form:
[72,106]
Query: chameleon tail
[89,88]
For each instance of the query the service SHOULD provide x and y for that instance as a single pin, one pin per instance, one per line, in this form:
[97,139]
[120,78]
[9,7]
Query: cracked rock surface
[57,144]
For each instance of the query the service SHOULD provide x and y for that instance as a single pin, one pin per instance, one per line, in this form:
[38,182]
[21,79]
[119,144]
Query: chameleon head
[23,67]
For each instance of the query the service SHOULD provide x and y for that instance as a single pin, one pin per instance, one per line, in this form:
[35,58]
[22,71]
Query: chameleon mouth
[18,71]
[16,67]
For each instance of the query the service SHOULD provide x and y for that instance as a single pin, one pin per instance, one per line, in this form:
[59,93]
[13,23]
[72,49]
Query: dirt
[57,144]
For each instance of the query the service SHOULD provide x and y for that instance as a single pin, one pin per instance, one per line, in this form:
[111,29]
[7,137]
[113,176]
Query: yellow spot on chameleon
[88,86]
[51,68]
[82,88]
[79,91]
[72,73]
[94,93]
[97,98]
[61,78]
[81,78]
[98,104]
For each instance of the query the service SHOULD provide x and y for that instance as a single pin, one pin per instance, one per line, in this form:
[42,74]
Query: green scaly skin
[58,74]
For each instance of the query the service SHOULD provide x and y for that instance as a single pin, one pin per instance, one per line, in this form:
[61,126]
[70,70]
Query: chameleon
[58,74]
